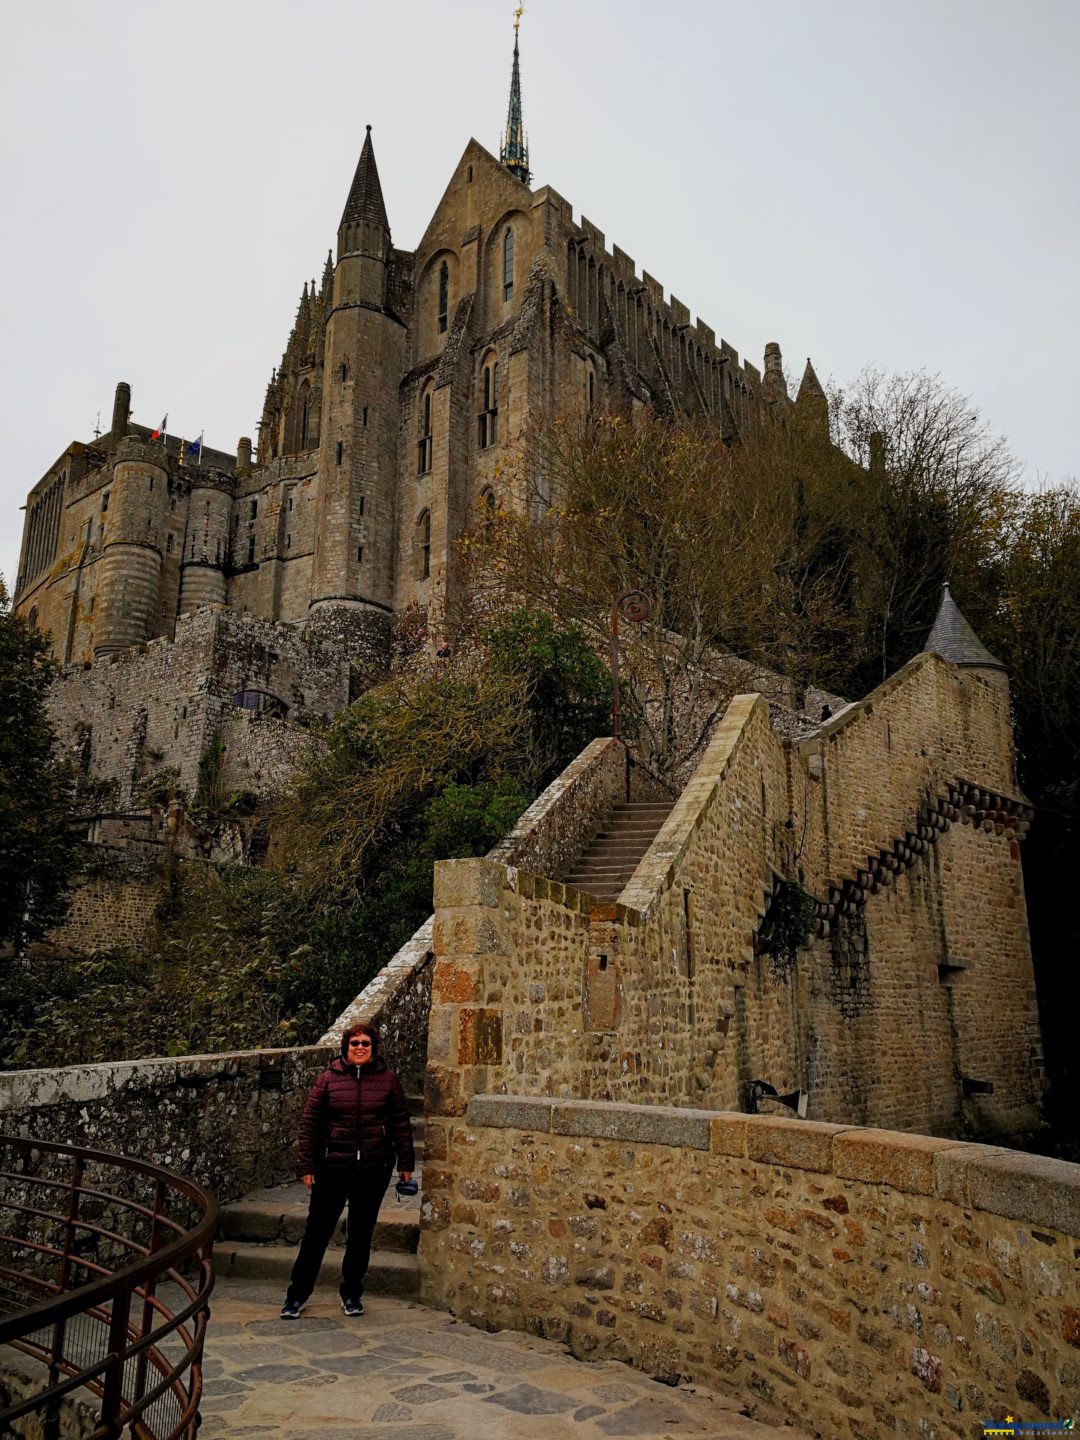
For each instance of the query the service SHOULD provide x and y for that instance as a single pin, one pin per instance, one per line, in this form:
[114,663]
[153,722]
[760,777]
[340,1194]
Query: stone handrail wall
[837,1278]
[548,836]
[228,1121]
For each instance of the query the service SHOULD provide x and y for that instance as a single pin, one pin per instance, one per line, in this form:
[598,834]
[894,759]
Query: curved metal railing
[106,1269]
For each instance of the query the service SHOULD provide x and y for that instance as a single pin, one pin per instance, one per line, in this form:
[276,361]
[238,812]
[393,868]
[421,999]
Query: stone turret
[128,606]
[953,639]
[363,237]
[364,357]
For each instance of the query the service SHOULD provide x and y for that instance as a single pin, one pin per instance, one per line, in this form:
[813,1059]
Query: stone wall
[114,901]
[227,1121]
[159,704]
[550,832]
[670,996]
[848,1281]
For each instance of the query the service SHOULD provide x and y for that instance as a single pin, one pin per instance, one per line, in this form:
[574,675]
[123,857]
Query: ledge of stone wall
[1034,1189]
[229,1121]
[662,860]
[831,1277]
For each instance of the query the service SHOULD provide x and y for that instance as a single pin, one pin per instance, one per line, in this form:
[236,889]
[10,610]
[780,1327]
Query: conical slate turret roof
[365,204]
[810,386]
[953,638]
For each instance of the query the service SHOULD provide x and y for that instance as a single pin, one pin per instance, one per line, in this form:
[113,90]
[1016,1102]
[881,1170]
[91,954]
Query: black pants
[362,1191]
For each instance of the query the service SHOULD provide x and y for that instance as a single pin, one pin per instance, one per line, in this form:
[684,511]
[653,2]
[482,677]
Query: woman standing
[354,1120]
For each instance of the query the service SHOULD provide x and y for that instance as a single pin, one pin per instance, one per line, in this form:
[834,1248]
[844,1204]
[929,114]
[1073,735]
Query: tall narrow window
[425,435]
[508,263]
[487,509]
[444,295]
[251,550]
[488,419]
[340,451]
[592,389]
[423,545]
[304,413]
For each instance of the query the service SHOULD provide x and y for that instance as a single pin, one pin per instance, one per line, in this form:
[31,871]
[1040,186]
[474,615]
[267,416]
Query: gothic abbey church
[260,580]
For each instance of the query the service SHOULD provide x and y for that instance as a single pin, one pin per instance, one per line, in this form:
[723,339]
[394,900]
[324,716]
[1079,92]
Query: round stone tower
[128,595]
[206,549]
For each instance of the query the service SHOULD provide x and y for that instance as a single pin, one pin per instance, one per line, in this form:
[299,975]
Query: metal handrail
[137,1383]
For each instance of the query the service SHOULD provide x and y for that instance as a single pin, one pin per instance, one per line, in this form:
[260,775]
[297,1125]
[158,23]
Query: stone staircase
[614,854]
[259,1235]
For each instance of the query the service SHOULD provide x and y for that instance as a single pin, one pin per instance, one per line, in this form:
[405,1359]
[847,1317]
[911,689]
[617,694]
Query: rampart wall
[129,712]
[917,984]
[850,1281]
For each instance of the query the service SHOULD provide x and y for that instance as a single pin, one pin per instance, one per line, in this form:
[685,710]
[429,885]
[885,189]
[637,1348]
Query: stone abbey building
[406,377]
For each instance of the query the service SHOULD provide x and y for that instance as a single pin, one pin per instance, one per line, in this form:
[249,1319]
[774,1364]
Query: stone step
[600,891]
[643,807]
[618,844]
[279,1215]
[391,1272]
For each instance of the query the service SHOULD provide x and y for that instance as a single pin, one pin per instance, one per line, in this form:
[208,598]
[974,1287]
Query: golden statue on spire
[517,16]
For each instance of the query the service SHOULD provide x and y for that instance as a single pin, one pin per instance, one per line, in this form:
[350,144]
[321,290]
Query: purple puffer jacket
[355,1115]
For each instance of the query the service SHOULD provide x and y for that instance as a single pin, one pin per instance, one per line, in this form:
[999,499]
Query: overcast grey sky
[865,181]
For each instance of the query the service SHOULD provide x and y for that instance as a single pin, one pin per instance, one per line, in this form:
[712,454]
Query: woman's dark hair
[361,1027]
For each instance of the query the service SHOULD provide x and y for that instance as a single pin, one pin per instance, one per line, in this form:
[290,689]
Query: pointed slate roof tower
[812,404]
[364,228]
[953,639]
[514,152]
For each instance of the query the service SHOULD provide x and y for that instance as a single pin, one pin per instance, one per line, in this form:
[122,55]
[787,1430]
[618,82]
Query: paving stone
[648,1417]
[452,1377]
[531,1400]
[274,1374]
[392,1410]
[302,1326]
[588,1411]
[424,1394]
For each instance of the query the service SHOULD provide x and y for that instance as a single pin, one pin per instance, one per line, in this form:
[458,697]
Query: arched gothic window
[487,508]
[488,420]
[31,619]
[508,263]
[423,545]
[424,461]
[444,295]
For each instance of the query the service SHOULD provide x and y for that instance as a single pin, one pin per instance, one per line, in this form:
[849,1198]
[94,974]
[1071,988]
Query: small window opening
[363,417]
[290,502]
[340,451]
[424,545]
[508,263]
[254,509]
[444,295]
[105,502]
[424,464]
[251,551]
[344,370]
[361,504]
[359,554]
[288,542]
[488,428]
[469,175]
[168,544]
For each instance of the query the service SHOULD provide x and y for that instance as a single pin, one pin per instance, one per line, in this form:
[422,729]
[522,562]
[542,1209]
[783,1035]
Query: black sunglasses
[363,1044]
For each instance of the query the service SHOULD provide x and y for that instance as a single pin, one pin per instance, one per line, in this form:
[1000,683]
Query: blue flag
[194,449]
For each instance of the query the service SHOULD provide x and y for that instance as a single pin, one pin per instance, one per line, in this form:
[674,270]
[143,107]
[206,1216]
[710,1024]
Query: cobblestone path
[404,1372]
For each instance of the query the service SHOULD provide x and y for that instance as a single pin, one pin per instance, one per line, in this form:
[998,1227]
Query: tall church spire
[364,209]
[515,149]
